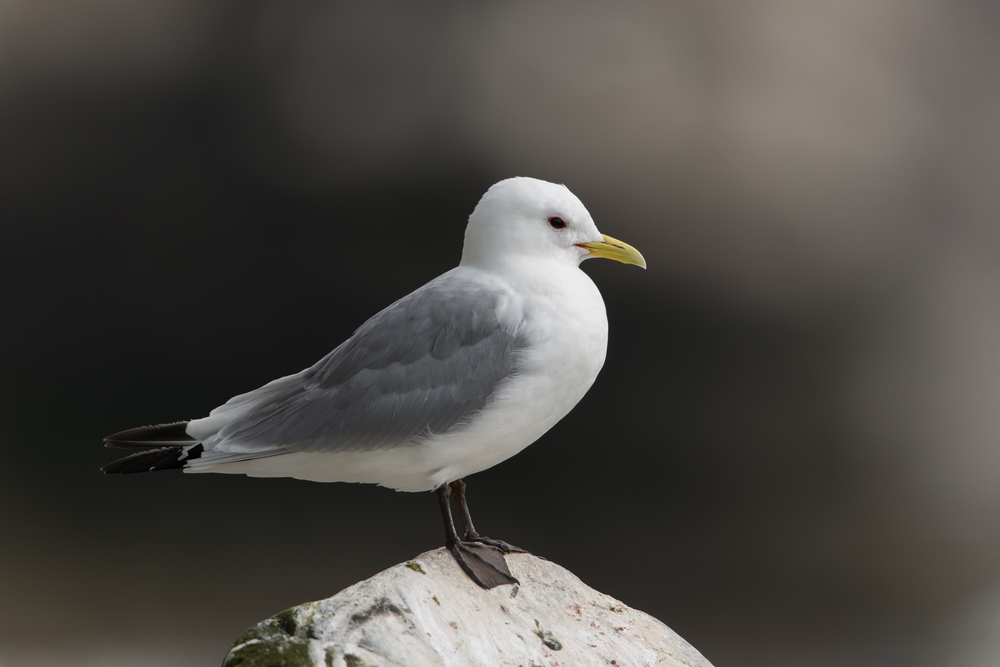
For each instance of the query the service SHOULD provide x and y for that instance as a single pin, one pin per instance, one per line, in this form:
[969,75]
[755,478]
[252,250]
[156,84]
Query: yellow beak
[616,250]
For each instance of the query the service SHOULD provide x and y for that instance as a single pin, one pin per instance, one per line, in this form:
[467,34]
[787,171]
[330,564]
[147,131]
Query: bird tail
[171,447]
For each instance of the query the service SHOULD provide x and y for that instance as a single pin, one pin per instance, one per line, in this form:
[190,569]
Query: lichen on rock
[271,643]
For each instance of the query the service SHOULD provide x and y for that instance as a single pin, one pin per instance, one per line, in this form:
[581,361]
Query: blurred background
[198,196]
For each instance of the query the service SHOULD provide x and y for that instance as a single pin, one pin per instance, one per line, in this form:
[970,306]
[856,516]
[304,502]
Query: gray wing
[424,365]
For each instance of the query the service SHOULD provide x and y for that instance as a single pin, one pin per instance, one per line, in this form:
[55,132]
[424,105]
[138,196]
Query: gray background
[791,456]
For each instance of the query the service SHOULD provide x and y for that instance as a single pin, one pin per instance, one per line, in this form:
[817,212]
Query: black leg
[458,488]
[443,494]
[484,563]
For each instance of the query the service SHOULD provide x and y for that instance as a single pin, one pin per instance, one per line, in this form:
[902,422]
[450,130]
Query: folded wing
[423,366]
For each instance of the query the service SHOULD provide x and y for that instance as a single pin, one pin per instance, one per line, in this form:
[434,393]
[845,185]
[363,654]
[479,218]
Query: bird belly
[522,410]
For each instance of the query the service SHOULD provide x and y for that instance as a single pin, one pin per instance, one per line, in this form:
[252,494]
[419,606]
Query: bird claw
[499,544]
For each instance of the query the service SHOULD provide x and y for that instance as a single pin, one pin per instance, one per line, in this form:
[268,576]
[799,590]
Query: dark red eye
[557,222]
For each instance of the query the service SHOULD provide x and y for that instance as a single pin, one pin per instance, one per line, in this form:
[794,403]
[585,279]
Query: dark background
[791,456]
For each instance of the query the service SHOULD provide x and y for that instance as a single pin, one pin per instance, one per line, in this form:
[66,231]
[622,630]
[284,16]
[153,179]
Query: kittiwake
[453,378]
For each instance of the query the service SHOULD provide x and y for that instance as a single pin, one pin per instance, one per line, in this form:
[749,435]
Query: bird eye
[557,223]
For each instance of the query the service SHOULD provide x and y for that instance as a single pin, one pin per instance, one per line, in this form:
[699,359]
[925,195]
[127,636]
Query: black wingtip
[151,436]
[164,458]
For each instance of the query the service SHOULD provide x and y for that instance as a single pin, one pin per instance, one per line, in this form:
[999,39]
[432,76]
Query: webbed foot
[484,563]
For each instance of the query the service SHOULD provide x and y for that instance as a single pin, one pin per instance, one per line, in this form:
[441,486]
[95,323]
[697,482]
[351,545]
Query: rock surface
[427,612]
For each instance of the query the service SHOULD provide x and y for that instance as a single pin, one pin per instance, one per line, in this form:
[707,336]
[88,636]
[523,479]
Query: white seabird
[452,379]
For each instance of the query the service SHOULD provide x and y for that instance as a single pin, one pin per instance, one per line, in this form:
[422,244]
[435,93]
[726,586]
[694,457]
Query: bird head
[521,218]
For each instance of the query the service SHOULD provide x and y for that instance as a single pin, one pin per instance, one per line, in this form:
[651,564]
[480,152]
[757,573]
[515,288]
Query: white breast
[566,326]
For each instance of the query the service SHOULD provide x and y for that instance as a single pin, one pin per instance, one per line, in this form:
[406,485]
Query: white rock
[427,612]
